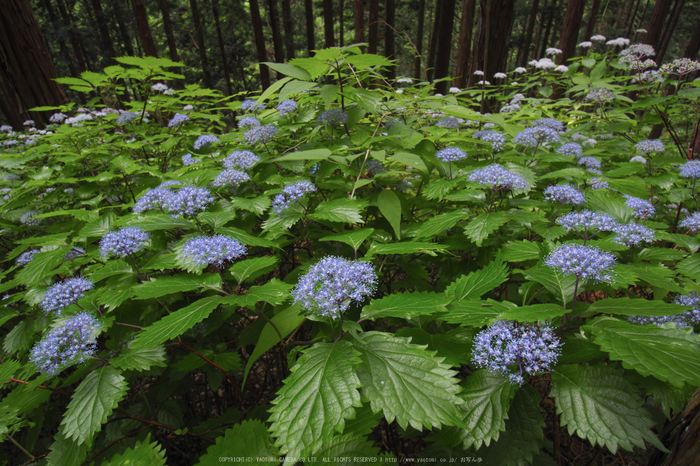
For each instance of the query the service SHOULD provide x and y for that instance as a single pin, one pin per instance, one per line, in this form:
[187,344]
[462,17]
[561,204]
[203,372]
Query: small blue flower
[167,184]
[570,149]
[177,120]
[28,219]
[449,122]
[451,154]
[188,160]
[213,250]
[587,221]
[287,107]
[691,169]
[532,137]
[243,159]
[332,117]
[649,146]
[597,183]
[685,319]
[497,177]
[249,104]
[125,241]
[205,140]
[247,121]
[74,342]
[551,123]
[291,194]
[512,349]
[260,134]
[590,162]
[126,117]
[692,222]
[189,200]
[497,140]
[74,253]
[583,261]
[231,177]
[65,293]
[27,256]
[564,194]
[333,283]
[633,234]
[157,198]
[641,207]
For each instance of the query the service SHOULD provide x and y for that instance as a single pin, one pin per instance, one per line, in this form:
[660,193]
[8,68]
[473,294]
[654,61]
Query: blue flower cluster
[205,140]
[532,137]
[65,293]
[247,121]
[214,250]
[125,241]
[230,177]
[74,342]
[187,160]
[590,162]
[189,200]
[260,134]
[156,198]
[691,169]
[167,184]
[332,117]
[551,123]
[243,159]
[449,122]
[587,221]
[126,117]
[597,183]
[571,149]
[685,319]
[177,120]
[633,234]
[585,262]
[451,154]
[249,104]
[526,348]
[497,177]
[564,194]
[691,222]
[496,139]
[333,283]
[649,146]
[74,253]
[27,256]
[641,207]
[291,194]
[286,107]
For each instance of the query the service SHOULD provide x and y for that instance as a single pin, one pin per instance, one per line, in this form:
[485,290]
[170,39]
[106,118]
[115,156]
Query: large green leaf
[534,312]
[407,382]
[179,283]
[42,265]
[474,312]
[248,441]
[289,70]
[305,155]
[252,268]
[438,224]
[631,307]
[390,207]
[598,404]
[176,323]
[140,360]
[347,449]
[455,345]
[339,210]
[65,452]
[690,267]
[487,398]
[354,238]
[406,305]
[321,392]
[406,247]
[670,355]
[519,251]
[481,226]
[478,283]
[562,287]
[92,403]
[143,453]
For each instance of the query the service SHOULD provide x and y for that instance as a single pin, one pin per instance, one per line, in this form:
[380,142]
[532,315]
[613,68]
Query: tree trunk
[444,45]
[149,47]
[288,28]
[592,18]
[633,14]
[74,40]
[118,13]
[569,33]
[201,46]
[359,9]
[373,25]
[548,28]
[419,39]
[222,47]
[389,44]
[65,53]
[626,12]
[341,22]
[434,38]
[328,23]
[538,34]
[693,47]
[524,50]
[168,26]
[491,45]
[658,18]
[274,23]
[465,42]
[27,71]
[668,31]
[260,42]
[310,19]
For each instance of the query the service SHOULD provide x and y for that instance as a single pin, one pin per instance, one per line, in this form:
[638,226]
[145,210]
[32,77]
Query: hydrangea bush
[180,282]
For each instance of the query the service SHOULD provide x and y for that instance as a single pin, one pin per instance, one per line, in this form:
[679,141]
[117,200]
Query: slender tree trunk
[73,36]
[373,25]
[569,33]
[691,51]
[65,53]
[310,19]
[274,23]
[149,47]
[465,42]
[491,44]
[658,19]
[630,21]
[341,22]
[538,33]
[668,31]
[548,28]
[222,47]
[389,43]
[626,12]
[592,18]
[168,26]
[260,42]
[359,10]
[118,13]
[27,71]
[432,48]
[419,40]
[288,28]
[524,51]
[201,45]
[442,61]
[328,23]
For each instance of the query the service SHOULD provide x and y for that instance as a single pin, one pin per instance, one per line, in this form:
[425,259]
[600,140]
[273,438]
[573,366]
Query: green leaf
[249,441]
[83,215]
[390,207]
[520,251]
[690,267]
[347,449]
[156,222]
[99,227]
[179,283]
[143,453]
[407,247]
[671,399]
[598,404]
[339,210]
[658,276]
[92,403]
[8,370]
[481,226]
[110,269]
[478,283]
[474,312]
[367,100]
[305,155]
[455,345]
[438,224]
[604,201]
[354,239]
[274,292]
[19,338]
[534,312]
[217,220]
[43,264]
[562,287]
[670,355]
[258,205]
[407,382]
[176,323]
[289,70]
[406,305]
[284,322]
[487,398]
[65,452]
[140,360]
[252,268]
[367,60]
[321,392]
[295,87]
[631,307]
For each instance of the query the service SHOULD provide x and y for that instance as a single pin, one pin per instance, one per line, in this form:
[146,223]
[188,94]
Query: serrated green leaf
[354,239]
[672,399]
[631,307]
[406,247]
[92,403]
[305,155]
[658,276]
[345,449]
[562,287]
[407,382]
[140,360]
[478,283]
[289,70]
[99,227]
[217,220]
[42,265]
[339,210]
[670,355]
[474,312]
[179,283]
[110,269]
[19,338]
[258,205]
[606,202]
[156,222]
[176,323]
[690,267]
[363,423]
[274,292]
[520,251]
[598,404]
[321,392]
[143,453]
[65,452]
[390,207]
[487,398]
[438,224]
[481,226]
[249,441]
[252,268]
[406,305]
[8,369]
[534,312]
[249,239]
[455,345]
